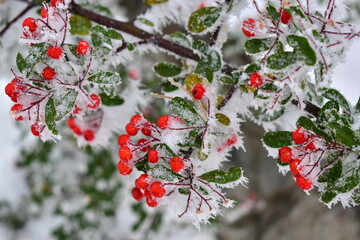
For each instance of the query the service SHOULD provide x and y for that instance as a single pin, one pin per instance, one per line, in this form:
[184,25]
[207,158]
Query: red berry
[19,118]
[248,27]
[137,194]
[164,121]
[71,123]
[285,17]
[124,140]
[16,108]
[198,91]
[177,164]
[303,183]
[9,89]
[146,129]
[48,73]
[285,154]
[151,202]
[125,154]
[311,146]
[55,52]
[131,129]
[36,129]
[96,101]
[299,136]
[89,135]
[82,48]
[142,142]
[153,156]
[124,169]
[44,13]
[157,189]
[255,80]
[147,193]
[142,182]
[77,109]
[54,2]
[232,140]
[136,119]
[294,167]
[77,130]
[14,97]
[30,23]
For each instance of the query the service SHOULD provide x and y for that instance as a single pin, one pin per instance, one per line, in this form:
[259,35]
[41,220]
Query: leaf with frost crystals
[337,97]
[203,18]
[65,104]
[167,69]
[257,45]
[20,62]
[278,139]
[183,109]
[222,176]
[50,115]
[162,172]
[302,47]
[105,78]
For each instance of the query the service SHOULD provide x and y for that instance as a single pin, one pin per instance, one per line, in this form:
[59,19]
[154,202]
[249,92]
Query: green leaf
[152,2]
[201,46]
[222,176]
[146,22]
[337,97]
[270,87]
[114,34]
[79,25]
[167,69]
[357,106]
[297,11]
[228,80]
[344,134]
[257,45]
[183,109]
[20,62]
[179,38]
[327,196]
[130,47]
[254,67]
[164,150]
[64,105]
[98,35]
[36,53]
[310,125]
[192,140]
[110,101]
[211,61]
[302,47]
[192,79]
[278,139]
[143,165]
[184,191]
[105,78]
[223,119]
[323,114]
[203,18]
[280,59]
[334,173]
[272,13]
[50,115]
[162,172]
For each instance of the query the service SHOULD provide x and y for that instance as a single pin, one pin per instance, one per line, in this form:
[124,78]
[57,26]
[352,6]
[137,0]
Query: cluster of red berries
[14,89]
[152,191]
[88,134]
[286,156]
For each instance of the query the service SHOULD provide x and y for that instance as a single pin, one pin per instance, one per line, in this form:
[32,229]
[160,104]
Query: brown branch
[309,107]
[16,18]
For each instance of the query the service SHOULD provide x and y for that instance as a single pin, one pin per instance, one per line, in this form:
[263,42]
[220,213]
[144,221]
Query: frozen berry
[124,168]
[177,164]
[232,140]
[96,101]
[285,154]
[125,154]
[198,91]
[19,118]
[285,17]
[248,27]
[77,109]
[157,189]
[136,119]
[303,183]
[255,80]
[146,129]
[82,48]
[89,135]
[71,123]
[48,73]
[311,146]
[147,193]
[143,142]
[36,129]
[142,182]
[30,23]
[77,130]
[55,2]
[294,167]
[55,52]
[163,121]
[44,13]
[153,156]
[151,202]
[131,129]
[299,136]
[124,140]
[16,107]
[137,194]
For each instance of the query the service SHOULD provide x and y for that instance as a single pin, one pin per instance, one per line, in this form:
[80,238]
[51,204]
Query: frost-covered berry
[177,164]
[55,2]
[146,129]
[137,194]
[198,91]
[48,73]
[125,154]
[143,141]
[286,17]
[96,101]
[151,202]
[163,121]
[255,80]
[294,167]
[299,136]
[44,13]
[285,154]
[303,183]
[71,123]
[131,129]
[157,189]
[30,23]
[36,129]
[248,27]
[16,108]
[136,119]
[153,156]
[232,140]
[55,52]
[147,193]
[124,168]
[89,135]
[82,47]
[311,146]
[142,182]
[124,140]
